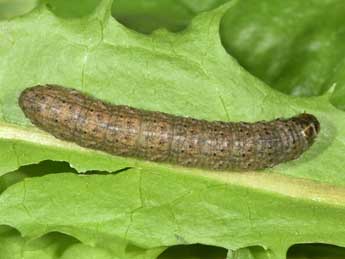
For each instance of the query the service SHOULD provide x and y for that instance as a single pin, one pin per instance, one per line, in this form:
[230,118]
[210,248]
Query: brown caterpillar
[121,130]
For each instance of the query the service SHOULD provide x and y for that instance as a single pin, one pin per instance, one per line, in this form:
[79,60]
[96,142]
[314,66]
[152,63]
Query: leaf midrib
[272,182]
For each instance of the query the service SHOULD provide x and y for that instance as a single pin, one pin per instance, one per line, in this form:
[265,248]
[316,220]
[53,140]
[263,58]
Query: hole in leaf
[194,251]
[316,251]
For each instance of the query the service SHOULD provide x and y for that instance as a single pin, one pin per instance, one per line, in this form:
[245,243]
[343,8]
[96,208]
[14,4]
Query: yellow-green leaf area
[85,202]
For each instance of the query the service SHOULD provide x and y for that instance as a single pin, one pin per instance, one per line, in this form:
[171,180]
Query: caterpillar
[156,136]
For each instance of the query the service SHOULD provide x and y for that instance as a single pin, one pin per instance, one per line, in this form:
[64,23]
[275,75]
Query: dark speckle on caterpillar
[125,131]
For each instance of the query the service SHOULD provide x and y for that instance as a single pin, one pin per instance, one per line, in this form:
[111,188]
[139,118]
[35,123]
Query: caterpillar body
[156,136]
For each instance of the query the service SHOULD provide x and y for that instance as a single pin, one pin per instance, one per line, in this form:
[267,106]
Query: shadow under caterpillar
[125,131]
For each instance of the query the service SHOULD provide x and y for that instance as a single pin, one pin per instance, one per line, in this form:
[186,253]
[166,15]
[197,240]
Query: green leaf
[139,212]
[12,8]
[296,47]
[72,8]
[147,16]
[52,245]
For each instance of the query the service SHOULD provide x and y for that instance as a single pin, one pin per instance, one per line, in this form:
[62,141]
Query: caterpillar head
[310,126]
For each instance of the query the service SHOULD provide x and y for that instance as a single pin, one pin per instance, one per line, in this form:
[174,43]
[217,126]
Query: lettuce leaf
[113,207]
